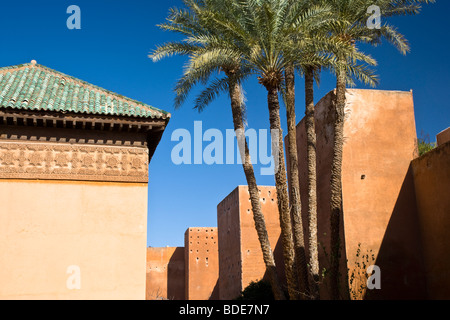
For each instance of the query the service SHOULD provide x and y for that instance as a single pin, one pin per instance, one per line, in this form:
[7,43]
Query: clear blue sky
[111,51]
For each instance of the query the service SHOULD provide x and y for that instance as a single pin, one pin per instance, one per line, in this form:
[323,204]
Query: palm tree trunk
[258,217]
[282,193]
[294,186]
[312,183]
[336,183]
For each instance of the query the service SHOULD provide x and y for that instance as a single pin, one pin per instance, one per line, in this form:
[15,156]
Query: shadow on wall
[175,275]
[279,262]
[400,255]
[215,292]
[432,184]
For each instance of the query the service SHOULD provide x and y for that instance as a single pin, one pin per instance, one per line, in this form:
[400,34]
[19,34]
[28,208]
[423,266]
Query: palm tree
[300,28]
[209,53]
[266,37]
[294,183]
[307,278]
[309,59]
[352,28]
[257,30]
[272,40]
[311,43]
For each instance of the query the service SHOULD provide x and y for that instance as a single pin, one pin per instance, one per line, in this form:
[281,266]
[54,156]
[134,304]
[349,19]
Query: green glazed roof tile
[35,87]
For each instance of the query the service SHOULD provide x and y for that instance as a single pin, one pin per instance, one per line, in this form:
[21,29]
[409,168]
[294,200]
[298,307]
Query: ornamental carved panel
[34,160]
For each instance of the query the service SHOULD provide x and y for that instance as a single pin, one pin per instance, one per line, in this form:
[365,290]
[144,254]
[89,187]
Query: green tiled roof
[35,87]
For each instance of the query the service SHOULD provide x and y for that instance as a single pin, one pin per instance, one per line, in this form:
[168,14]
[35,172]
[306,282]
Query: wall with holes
[253,267]
[240,254]
[201,263]
[185,273]
[234,245]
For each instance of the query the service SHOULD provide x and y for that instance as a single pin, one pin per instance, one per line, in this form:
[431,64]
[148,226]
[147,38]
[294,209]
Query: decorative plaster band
[29,160]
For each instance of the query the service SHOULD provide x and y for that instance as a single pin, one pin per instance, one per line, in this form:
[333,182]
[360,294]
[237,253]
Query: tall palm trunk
[282,193]
[294,186]
[258,217]
[336,182]
[312,182]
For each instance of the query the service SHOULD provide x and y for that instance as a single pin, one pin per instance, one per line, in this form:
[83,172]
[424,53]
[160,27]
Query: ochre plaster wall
[378,192]
[48,226]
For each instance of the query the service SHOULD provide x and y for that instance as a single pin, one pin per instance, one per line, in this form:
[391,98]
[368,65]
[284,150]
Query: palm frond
[210,93]
[173,48]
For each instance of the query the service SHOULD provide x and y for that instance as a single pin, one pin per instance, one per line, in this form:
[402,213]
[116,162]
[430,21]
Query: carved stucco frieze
[34,160]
